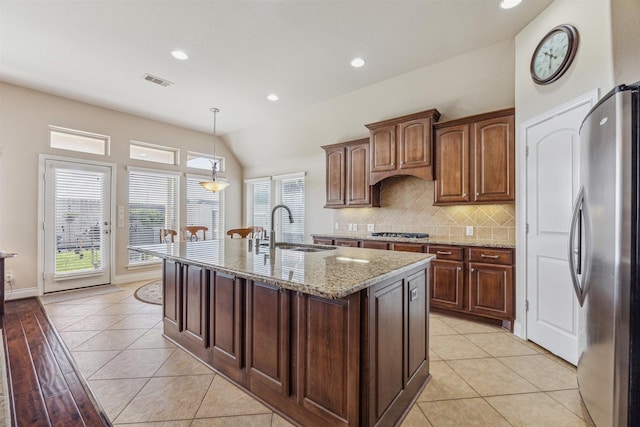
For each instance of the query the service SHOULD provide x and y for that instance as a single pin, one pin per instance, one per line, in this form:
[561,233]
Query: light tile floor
[482,375]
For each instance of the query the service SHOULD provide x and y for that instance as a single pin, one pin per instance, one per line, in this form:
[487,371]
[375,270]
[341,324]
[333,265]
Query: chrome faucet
[272,235]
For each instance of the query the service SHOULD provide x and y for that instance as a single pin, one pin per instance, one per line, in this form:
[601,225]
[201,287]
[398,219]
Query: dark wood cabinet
[353,361]
[268,338]
[408,247]
[475,159]
[349,243]
[374,244]
[194,307]
[491,283]
[447,277]
[226,325]
[322,241]
[171,293]
[402,146]
[452,164]
[348,176]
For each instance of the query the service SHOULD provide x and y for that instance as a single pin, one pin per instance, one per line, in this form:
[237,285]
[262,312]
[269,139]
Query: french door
[77,212]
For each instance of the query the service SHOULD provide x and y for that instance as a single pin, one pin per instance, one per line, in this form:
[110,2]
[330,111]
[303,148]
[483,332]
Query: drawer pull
[489,256]
[443,252]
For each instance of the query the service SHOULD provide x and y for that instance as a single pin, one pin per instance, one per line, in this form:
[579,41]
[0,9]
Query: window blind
[205,207]
[259,203]
[153,204]
[290,191]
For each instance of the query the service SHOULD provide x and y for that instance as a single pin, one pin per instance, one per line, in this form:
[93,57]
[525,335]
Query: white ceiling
[240,51]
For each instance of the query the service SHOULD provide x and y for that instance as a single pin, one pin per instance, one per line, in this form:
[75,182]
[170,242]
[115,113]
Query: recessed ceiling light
[357,62]
[508,4]
[272,97]
[178,54]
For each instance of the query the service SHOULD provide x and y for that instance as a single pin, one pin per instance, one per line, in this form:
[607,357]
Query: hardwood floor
[46,388]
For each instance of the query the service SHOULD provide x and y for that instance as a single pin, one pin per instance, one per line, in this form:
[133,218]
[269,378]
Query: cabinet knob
[464,194]
[473,270]
[477,194]
[460,268]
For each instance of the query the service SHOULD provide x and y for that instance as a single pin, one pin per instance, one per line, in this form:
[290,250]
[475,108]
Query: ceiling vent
[157,80]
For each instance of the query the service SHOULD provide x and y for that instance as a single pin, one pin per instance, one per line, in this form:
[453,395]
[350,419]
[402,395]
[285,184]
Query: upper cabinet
[403,146]
[475,159]
[348,176]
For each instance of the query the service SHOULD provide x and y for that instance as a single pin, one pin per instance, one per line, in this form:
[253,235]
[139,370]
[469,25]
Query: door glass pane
[79,216]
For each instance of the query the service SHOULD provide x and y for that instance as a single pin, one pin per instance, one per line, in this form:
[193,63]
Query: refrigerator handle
[575,267]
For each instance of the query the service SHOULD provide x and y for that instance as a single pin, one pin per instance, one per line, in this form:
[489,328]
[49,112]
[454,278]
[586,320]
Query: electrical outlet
[469,231]
[370,227]
[8,276]
[337,226]
[350,227]
[355,227]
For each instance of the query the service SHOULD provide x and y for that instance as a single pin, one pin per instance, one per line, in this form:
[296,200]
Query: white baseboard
[517,330]
[135,277]
[21,293]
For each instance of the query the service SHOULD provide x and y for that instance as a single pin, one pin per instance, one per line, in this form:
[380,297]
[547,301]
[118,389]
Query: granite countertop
[333,273]
[440,240]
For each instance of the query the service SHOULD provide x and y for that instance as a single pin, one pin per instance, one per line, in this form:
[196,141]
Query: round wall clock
[554,54]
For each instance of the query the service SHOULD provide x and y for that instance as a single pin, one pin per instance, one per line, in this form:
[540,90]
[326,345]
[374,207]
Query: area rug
[150,293]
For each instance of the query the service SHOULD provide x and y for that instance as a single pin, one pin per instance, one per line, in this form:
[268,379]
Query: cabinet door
[414,141]
[172,313]
[194,304]
[358,189]
[418,327]
[491,290]
[447,284]
[494,157]
[268,338]
[336,184]
[452,164]
[383,148]
[226,325]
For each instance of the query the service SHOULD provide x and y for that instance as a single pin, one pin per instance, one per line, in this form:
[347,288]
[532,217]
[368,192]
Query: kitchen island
[324,335]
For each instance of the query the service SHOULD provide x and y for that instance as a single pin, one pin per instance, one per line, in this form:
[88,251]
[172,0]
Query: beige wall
[24,119]
[592,69]
[625,17]
[477,82]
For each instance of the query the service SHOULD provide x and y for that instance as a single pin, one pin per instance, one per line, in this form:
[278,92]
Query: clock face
[554,54]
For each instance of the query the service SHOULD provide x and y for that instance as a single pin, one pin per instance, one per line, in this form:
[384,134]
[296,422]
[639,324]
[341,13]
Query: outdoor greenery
[71,261]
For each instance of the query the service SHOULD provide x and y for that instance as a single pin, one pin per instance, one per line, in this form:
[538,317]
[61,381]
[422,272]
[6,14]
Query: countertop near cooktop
[438,240]
[333,273]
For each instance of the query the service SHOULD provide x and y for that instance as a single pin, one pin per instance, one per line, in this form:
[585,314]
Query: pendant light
[214,185]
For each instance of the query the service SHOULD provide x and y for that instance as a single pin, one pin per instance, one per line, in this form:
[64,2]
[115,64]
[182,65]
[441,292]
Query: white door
[552,179]
[77,243]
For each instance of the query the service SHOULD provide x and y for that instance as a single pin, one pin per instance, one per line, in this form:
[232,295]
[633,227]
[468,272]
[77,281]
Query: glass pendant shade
[214,185]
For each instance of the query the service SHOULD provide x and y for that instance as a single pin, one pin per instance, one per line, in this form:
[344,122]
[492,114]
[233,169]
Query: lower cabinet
[354,361]
[491,290]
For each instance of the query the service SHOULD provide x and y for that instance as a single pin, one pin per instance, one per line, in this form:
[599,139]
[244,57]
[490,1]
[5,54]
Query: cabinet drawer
[408,247]
[374,244]
[347,243]
[447,252]
[491,256]
[322,241]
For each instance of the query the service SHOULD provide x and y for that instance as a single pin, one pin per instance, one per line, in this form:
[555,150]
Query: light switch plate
[350,227]
[469,231]
[337,226]
[370,227]
[355,227]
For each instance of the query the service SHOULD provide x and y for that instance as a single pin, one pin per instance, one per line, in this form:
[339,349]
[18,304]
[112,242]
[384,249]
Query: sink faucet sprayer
[272,235]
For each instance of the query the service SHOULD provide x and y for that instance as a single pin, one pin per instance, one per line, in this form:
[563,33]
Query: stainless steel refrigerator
[603,253]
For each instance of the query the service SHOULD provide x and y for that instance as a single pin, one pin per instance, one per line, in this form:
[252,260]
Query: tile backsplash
[407,205]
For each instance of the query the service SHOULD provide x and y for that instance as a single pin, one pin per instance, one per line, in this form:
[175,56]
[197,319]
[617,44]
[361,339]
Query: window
[76,140]
[203,161]
[153,204]
[205,207]
[286,189]
[153,153]
[290,191]
[259,203]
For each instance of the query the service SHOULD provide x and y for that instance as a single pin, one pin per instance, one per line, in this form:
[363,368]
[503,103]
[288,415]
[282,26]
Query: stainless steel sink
[304,248]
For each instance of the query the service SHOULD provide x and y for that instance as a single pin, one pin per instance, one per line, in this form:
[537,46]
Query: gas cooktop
[403,235]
